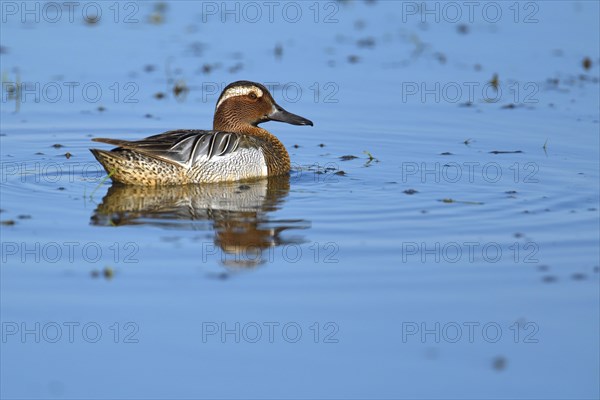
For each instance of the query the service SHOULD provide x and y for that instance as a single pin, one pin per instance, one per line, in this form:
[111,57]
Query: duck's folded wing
[185,147]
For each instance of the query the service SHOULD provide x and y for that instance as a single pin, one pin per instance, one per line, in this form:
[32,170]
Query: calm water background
[435,269]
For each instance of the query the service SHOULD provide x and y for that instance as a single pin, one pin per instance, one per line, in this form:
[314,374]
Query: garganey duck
[236,149]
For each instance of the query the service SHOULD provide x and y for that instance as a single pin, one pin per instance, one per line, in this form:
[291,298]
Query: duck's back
[185,156]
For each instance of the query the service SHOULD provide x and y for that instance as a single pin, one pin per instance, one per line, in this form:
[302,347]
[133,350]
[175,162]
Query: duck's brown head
[244,104]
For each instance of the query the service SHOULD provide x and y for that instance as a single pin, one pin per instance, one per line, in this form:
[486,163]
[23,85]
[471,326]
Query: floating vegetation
[586,63]
[278,51]
[495,82]
[505,152]
[448,200]
[370,156]
[499,363]
[13,89]
[180,90]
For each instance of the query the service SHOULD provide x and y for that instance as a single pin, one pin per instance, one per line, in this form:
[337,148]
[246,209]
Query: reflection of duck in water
[236,149]
[238,213]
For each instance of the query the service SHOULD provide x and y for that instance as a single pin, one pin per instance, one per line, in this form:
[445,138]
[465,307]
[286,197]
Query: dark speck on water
[586,63]
[410,191]
[347,158]
[505,152]
[578,276]
[499,363]
[366,42]
[57,146]
[462,28]
[446,153]
[549,279]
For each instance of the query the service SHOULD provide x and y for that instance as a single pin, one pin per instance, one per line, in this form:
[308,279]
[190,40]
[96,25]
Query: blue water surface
[437,237]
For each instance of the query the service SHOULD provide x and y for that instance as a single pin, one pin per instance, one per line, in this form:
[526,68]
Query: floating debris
[549,279]
[495,82]
[91,20]
[180,90]
[57,146]
[367,42]
[586,63]
[278,51]
[499,363]
[578,276]
[237,67]
[347,158]
[108,272]
[321,145]
[101,108]
[410,191]
[353,59]
[446,153]
[505,152]
[8,222]
[340,173]
[441,57]
[159,95]
[448,200]
[371,158]
[24,216]
[67,155]
[462,29]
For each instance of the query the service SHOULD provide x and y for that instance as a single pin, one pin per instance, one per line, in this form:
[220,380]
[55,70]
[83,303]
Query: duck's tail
[111,162]
[133,168]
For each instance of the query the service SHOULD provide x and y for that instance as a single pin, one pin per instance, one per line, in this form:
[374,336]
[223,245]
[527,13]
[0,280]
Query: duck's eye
[252,95]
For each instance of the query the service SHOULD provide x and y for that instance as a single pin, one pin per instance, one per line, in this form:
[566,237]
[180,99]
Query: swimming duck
[236,149]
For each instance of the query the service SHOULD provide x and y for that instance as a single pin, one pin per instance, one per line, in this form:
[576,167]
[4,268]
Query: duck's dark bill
[283,116]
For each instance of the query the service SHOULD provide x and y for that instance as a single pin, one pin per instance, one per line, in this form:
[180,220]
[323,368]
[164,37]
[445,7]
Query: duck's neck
[276,156]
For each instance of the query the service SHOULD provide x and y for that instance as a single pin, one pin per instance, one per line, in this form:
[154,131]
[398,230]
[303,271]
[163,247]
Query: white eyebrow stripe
[239,91]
